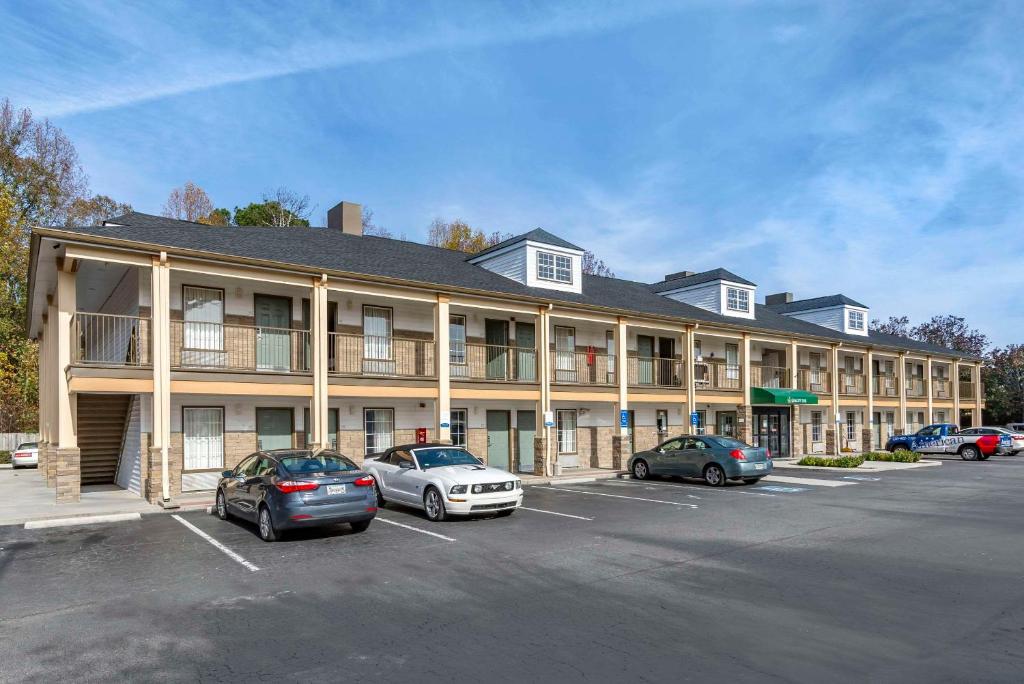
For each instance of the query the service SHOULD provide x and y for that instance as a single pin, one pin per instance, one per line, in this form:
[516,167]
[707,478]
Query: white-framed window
[565,421]
[378,429]
[816,426]
[851,425]
[203,436]
[737,299]
[554,267]
[204,318]
[459,426]
[856,320]
[457,339]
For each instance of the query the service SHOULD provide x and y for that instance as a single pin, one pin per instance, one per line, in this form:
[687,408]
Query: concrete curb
[616,475]
[81,520]
[866,467]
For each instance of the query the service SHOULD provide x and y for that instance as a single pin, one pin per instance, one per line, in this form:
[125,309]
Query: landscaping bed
[831,461]
[893,457]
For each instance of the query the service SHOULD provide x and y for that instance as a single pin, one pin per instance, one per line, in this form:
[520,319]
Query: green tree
[459,235]
[94,210]
[280,208]
[1004,385]
[899,326]
[952,332]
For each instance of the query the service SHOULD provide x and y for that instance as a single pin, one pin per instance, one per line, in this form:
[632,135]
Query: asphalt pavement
[896,576]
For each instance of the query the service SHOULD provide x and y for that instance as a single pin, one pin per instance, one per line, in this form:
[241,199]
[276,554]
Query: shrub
[831,462]
[5,456]
[894,457]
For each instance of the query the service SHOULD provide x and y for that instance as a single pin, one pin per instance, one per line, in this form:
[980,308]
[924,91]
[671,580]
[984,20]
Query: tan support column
[901,383]
[955,379]
[745,414]
[159,449]
[794,365]
[619,442]
[836,415]
[796,438]
[44,426]
[691,380]
[318,363]
[869,437]
[928,388]
[976,416]
[542,464]
[50,473]
[443,407]
[69,474]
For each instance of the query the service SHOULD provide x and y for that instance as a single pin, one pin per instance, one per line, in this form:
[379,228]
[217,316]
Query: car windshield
[28,445]
[444,456]
[323,462]
[727,442]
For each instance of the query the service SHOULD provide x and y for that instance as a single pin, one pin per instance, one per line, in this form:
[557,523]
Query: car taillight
[768,453]
[289,486]
[364,481]
[738,455]
[20,454]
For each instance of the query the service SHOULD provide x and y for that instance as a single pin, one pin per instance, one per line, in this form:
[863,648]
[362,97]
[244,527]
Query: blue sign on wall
[624,419]
[694,419]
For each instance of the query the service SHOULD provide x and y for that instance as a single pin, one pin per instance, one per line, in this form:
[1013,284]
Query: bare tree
[594,266]
[457,234]
[287,208]
[93,211]
[188,203]
[894,325]
[371,228]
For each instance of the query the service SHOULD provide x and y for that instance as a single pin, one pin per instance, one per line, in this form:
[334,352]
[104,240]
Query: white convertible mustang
[443,480]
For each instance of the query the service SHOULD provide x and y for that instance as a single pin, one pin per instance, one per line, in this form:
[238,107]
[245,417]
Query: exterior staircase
[101,424]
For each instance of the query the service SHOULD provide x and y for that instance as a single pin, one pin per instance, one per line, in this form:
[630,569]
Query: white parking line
[618,496]
[564,515]
[807,481]
[710,490]
[414,529]
[645,483]
[230,554]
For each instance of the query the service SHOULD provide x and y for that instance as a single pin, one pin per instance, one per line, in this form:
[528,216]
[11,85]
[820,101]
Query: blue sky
[873,149]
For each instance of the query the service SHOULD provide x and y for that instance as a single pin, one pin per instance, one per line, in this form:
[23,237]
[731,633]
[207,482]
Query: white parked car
[27,454]
[443,480]
[1013,445]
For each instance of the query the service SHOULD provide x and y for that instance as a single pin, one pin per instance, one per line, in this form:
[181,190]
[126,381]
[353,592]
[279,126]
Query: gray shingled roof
[814,303]
[333,251]
[536,235]
[699,279]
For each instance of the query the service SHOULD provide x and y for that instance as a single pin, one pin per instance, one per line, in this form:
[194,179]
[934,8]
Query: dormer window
[856,320]
[554,267]
[737,299]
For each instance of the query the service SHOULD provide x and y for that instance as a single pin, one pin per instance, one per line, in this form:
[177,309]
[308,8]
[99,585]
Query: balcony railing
[582,368]
[966,389]
[654,372]
[770,376]
[915,387]
[942,388]
[885,385]
[492,362]
[852,383]
[817,380]
[723,376]
[378,356]
[203,345]
[110,340]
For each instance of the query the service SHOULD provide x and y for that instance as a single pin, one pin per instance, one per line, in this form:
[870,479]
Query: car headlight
[457,489]
[477,489]
[509,485]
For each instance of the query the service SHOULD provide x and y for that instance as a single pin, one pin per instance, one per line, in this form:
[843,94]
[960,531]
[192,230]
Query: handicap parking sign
[694,418]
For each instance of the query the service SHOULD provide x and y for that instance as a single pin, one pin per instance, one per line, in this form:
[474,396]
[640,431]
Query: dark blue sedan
[291,488]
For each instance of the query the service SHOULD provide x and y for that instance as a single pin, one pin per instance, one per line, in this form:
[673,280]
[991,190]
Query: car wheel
[222,505]
[433,505]
[714,475]
[641,471]
[266,524]
[360,526]
[751,480]
[380,495]
[970,453]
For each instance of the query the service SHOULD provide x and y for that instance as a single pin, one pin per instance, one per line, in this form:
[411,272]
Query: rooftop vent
[346,217]
[680,274]
[779,298]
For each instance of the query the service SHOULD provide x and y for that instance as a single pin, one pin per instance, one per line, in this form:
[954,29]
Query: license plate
[759,466]
[335,489]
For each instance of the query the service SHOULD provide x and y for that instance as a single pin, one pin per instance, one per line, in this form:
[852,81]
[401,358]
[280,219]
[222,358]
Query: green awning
[773,395]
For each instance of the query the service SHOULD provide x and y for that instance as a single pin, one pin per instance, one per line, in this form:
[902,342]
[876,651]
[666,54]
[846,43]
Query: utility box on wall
[421,435]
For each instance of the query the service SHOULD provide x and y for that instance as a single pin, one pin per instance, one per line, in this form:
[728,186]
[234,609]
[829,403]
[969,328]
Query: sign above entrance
[784,397]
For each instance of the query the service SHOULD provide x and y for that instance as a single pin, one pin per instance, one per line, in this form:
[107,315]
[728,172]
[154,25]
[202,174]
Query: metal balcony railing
[720,376]
[379,356]
[885,385]
[818,380]
[770,376]
[110,340]
[492,362]
[201,345]
[582,368]
[966,389]
[654,372]
[915,387]
[942,388]
[852,383]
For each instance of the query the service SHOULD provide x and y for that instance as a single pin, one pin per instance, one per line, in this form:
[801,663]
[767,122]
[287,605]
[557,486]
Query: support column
[870,422]
[542,464]
[979,397]
[691,380]
[833,429]
[901,382]
[52,393]
[620,440]
[928,388]
[68,456]
[955,379]
[443,407]
[44,426]
[318,343]
[159,448]
[745,413]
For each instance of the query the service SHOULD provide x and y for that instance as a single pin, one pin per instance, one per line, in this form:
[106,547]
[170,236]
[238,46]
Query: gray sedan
[716,459]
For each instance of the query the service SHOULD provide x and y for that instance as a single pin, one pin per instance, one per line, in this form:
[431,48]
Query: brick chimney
[346,217]
[779,298]
[680,274]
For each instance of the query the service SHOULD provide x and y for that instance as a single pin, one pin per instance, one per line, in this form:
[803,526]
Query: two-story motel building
[170,350]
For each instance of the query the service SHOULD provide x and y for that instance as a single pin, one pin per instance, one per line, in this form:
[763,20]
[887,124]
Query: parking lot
[898,576]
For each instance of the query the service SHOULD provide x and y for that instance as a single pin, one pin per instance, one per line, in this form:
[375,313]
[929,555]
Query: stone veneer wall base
[68,475]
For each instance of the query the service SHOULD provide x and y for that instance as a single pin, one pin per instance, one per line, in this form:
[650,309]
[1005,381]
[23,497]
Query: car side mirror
[405,465]
[227,473]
